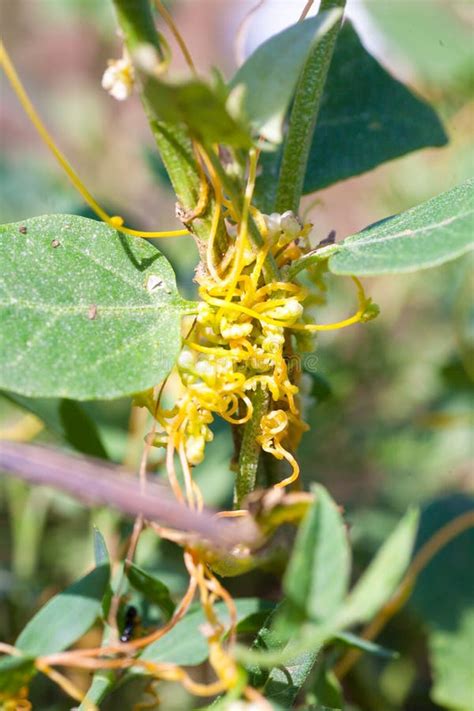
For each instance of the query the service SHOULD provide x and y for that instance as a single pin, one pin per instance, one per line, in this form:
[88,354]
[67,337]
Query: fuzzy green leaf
[263,87]
[438,45]
[317,576]
[382,577]
[429,234]
[67,616]
[284,682]
[152,588]
[367,117]
[86,312]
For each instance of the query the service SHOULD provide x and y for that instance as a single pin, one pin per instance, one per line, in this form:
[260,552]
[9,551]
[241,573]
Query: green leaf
[327,691]
[429,234]
[198,106]
[152,588]
[281,683]
[317,576]
[443,600]
[101,554]
[264,85]
[185,644]
[86,312]
[15,672]
[367,117]
[451,661]
[352,640]
[67,616]
[67,419]
[284,682]
[438,44]
[382,577]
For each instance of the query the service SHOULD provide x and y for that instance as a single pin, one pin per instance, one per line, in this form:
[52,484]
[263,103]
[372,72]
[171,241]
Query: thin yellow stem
[242,240]
[356,318]
[114,221]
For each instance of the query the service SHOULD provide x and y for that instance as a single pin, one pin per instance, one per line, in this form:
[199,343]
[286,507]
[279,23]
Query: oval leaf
[429,234]
[264,85]
[67,616]
[153,589]
[317,576]
[86,312]
[367,117]
[383,575]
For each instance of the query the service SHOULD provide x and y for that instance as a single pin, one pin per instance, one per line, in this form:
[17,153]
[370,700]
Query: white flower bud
[204,312]
[290,224]
[194,449]
[233,331]
[290,311]
[206,369]
[273,223]
[186,359]
[118,78]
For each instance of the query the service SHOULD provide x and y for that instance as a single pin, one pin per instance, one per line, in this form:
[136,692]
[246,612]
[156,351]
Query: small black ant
[129,623]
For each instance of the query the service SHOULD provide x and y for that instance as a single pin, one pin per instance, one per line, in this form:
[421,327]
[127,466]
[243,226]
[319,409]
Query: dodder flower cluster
[239,342]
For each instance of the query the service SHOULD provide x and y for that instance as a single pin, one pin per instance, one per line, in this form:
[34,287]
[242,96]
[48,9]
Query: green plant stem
[303,116]
[250,449]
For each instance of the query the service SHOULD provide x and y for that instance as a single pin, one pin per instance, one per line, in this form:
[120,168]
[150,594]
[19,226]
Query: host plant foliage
[91,310]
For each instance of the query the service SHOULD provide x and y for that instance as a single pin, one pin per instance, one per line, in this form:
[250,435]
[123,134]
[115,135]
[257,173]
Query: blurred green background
[391,423]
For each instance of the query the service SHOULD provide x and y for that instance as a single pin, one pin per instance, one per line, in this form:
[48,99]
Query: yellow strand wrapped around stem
[114,221]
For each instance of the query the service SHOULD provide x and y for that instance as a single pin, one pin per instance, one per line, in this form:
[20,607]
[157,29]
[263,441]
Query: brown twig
[94,482]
